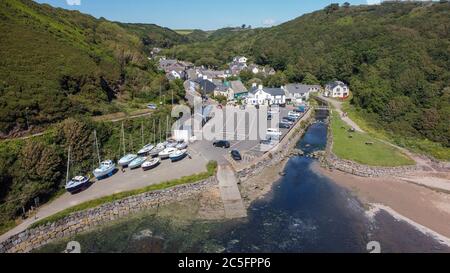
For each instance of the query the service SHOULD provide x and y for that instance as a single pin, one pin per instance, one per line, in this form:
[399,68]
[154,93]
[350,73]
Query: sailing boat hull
[106,169]
[82,185]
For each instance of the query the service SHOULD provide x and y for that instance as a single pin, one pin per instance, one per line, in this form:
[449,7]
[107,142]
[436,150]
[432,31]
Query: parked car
[236,155]
[269,117]
[284,125]
[152,106]
[294,114]
[273,132]
[222,144]
[288,121]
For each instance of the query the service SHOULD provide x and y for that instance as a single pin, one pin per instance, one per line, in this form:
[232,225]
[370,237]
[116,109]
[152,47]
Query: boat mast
[123,139]
[167,127]
[142,132]
[96,146]
[68,166]
[154,131]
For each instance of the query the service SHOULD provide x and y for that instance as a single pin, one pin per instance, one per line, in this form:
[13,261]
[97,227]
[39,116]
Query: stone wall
[280,152]
[89,219]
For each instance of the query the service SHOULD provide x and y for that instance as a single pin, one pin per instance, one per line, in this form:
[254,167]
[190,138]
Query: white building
[266,96]
[299,93]
[337,89]
[240,59]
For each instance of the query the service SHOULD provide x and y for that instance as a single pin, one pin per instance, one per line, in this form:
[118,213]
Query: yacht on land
[181,145]
[77,183]
[165,154]
[137,163]
[159,148]
[151,164]
[178,155]
[127,159]
[146,149]
[106,168]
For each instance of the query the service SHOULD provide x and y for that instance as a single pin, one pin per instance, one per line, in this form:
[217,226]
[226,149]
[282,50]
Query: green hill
[395,56]
[56,63]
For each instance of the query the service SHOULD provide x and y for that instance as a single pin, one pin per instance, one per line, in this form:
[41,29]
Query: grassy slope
[417,145]
[81,62]
[355,148]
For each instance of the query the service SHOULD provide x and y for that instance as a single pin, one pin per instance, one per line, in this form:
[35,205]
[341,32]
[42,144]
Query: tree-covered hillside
[395,56]
[56,63]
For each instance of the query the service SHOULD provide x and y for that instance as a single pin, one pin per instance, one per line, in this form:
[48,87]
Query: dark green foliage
[56,63]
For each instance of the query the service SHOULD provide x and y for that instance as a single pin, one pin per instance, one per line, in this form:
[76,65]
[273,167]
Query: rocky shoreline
[87,220]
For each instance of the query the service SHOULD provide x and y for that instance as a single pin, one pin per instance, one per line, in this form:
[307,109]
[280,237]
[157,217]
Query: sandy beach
[425,208]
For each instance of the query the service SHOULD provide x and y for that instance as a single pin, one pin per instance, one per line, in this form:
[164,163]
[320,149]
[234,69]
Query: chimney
[260,86]
[254,84]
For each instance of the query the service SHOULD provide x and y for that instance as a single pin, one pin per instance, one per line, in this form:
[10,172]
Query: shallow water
[304,212]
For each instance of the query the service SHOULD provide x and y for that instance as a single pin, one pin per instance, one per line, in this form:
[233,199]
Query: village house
[206,87]
[266,96]
[239,90]
[337,89]
[299,93]
[240,59]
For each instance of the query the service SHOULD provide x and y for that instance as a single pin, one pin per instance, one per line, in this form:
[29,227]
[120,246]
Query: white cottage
[266,96]
[337,89]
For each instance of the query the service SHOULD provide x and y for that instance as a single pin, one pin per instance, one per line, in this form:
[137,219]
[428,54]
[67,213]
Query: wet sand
[426,209]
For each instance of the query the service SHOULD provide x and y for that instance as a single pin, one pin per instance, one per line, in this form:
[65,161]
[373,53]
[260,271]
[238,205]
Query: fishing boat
[181,145]
[153,163]
[171,143]
[167,152]
[178,155]
[105,169]
[146,149]
[137,163]
[77,184]
[126,160]
[159,148]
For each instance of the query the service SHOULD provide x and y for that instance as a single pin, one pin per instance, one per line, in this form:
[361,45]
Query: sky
[199,14]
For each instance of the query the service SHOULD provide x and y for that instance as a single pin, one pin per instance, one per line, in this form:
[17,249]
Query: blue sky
[201,14]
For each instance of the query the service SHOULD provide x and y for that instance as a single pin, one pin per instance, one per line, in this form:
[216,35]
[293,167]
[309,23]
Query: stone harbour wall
[89,219]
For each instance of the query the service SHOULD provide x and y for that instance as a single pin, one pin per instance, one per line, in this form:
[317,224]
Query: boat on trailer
[105,169]
[77,184]
[151,164]
[178,155]
[137,163]
[126,160]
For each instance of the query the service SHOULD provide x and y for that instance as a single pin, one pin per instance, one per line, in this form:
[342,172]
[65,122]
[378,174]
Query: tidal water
[304,212]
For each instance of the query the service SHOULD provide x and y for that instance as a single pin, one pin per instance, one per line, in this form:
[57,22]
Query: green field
[184,31]
[354,147]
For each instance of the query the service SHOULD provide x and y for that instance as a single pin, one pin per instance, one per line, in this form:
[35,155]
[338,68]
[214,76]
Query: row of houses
[176,69]
[295,93]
